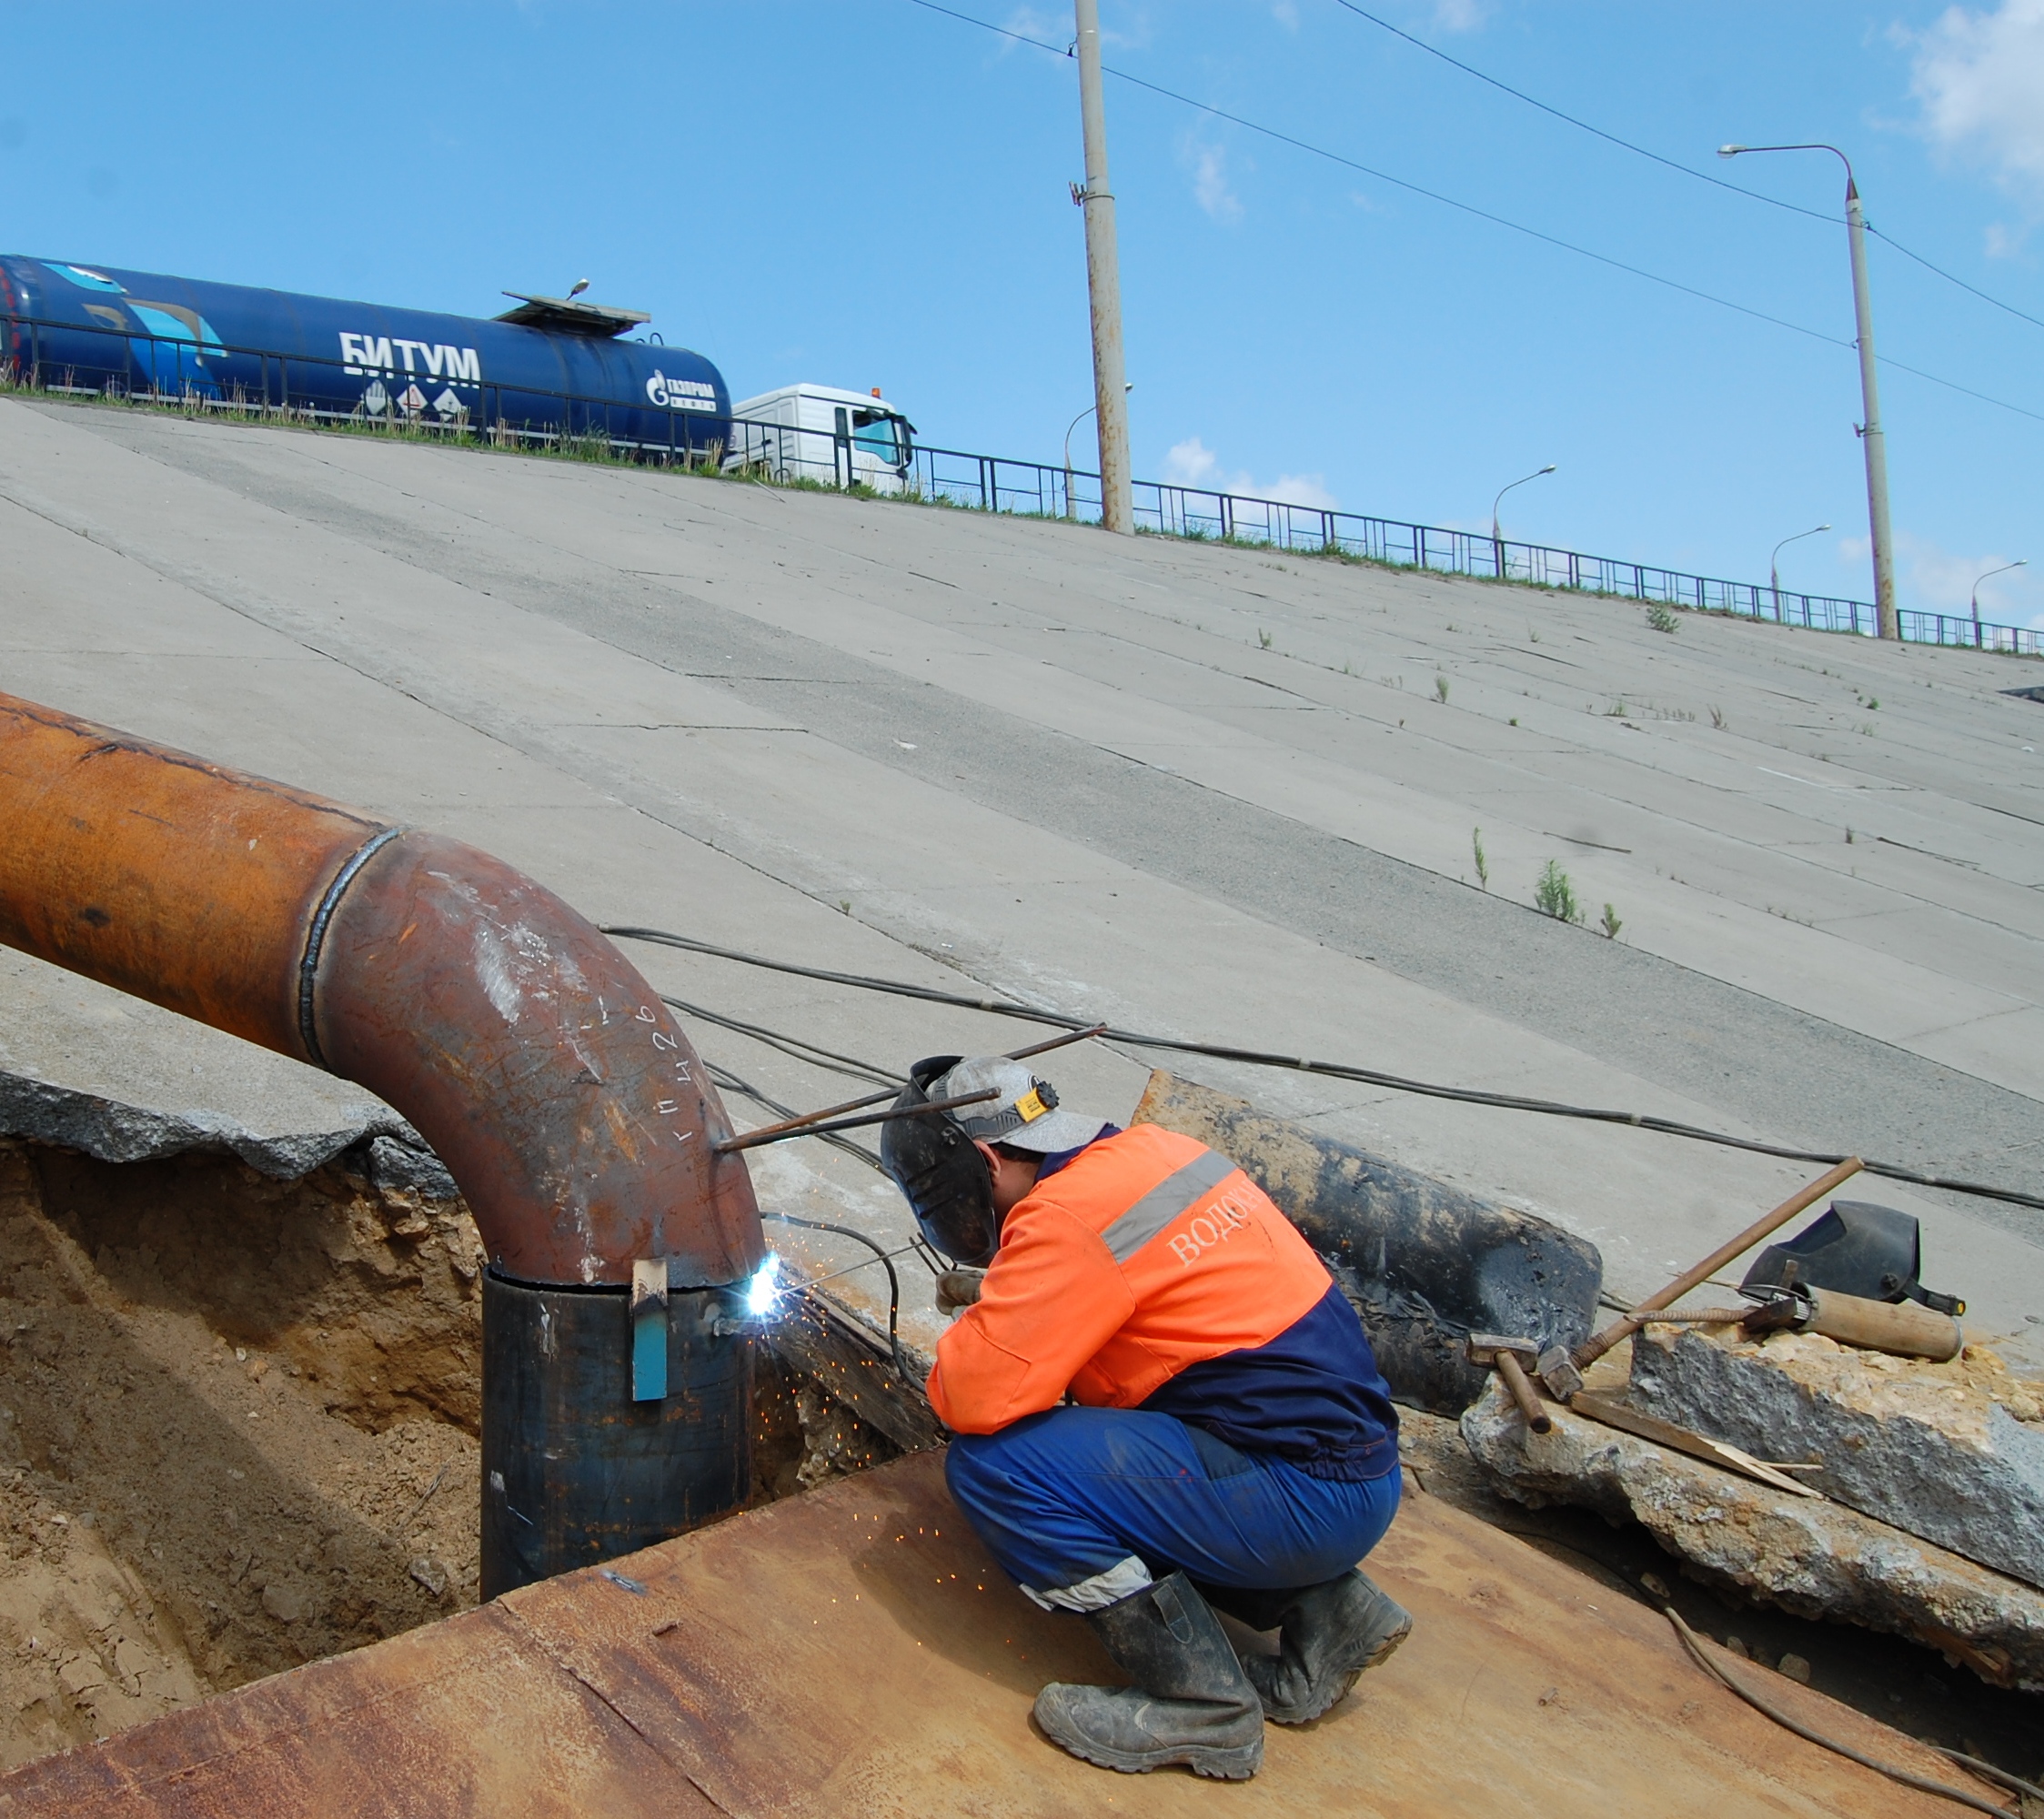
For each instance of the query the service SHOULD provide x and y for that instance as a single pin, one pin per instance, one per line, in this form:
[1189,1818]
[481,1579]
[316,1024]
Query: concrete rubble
[1953,1452]
[1813,1557]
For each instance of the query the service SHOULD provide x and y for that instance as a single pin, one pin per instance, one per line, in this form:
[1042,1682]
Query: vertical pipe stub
[576,1472]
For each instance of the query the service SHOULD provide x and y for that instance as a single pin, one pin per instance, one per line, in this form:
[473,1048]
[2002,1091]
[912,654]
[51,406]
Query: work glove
[957,1289]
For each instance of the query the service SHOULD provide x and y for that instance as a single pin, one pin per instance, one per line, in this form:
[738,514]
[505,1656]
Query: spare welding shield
[1855,1248]
[945,1179]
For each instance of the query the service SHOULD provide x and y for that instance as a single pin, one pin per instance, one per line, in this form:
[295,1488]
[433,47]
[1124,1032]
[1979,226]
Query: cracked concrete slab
[92,1070]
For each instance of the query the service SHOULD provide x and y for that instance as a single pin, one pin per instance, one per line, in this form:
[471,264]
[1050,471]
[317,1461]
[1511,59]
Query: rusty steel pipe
[546,1073]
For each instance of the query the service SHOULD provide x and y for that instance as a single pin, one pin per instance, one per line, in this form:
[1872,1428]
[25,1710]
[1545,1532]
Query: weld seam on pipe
[316,939]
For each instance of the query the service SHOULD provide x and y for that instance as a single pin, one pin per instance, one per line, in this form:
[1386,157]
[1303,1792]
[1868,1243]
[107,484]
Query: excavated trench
[238,1432]
[238,1429]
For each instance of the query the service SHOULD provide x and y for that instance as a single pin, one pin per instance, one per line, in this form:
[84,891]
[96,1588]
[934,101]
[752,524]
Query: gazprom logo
[680,394]
[374,354]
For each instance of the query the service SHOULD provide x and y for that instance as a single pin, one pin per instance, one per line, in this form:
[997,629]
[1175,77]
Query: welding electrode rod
[809,1127]
[809,1118]
[1591,1349]
[1523,1393]
[793,1125]
[1055,1043]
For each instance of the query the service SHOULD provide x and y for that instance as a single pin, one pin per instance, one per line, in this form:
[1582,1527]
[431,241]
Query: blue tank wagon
[551,367]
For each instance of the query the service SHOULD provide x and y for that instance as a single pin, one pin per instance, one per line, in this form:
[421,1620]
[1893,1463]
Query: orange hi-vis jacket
[1145,1254]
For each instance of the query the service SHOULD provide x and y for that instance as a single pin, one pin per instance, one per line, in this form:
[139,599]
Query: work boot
[1191,1703]
[1328,1634]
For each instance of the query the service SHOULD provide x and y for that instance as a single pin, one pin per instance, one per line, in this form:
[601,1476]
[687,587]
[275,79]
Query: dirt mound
[238,1430]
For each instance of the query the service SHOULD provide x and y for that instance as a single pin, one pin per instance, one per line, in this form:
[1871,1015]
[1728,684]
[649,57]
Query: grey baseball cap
[1025,1115]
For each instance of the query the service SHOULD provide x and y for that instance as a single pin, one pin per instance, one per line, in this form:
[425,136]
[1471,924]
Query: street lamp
[1128,386]
[1497,536]
[1889,624]
[2020,562]
[1774,574]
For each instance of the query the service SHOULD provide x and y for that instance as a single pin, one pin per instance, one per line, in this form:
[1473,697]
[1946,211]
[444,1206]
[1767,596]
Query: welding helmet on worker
[931,1159]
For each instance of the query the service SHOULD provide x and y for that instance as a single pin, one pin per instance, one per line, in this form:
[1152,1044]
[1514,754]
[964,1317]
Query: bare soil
[238,1429]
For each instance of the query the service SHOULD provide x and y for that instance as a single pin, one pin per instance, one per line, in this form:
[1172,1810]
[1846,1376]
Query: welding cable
[886,1262]
[727,1081]
[1504,1101]
[828,1060]
[1768,1710]
[1987,1771]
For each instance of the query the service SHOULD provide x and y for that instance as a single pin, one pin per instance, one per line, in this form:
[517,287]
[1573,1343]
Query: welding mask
[945,1179]
[1855,1249]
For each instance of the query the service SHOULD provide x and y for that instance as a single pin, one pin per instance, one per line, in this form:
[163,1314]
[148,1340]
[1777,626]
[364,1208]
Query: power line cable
[2036,321]
[1473,209]
[1584,126]
[1002,1007]
[1675,164]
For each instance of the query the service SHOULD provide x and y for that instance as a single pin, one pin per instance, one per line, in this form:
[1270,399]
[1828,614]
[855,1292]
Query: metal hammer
[1509,1358]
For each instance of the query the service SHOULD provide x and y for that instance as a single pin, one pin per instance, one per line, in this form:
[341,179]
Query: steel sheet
[855,1651]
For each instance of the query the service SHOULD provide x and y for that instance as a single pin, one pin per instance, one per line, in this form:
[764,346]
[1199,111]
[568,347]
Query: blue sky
[866,191]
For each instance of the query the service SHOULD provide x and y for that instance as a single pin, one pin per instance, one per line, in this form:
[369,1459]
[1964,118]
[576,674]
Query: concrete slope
[1202,790]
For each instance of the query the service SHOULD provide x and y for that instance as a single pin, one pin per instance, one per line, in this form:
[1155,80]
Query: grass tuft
[1554,894]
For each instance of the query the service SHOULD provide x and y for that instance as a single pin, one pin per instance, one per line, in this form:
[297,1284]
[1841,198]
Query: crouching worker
[1232,1449]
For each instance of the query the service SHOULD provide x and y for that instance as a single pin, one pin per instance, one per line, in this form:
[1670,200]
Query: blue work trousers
[1085,1506]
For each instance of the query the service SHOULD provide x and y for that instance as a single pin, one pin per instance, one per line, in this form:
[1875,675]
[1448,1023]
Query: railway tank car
[548,368]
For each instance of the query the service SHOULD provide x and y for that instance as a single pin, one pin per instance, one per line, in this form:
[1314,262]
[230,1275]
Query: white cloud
[1460,16]
[1980,78]
[1940,580]
[1210,188]
[1191,463]
[1286,15]
[1299,490]
[1031,24]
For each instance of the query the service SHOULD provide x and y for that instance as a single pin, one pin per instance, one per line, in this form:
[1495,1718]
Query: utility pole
[1104,285]
[1870,436]
[1875,444]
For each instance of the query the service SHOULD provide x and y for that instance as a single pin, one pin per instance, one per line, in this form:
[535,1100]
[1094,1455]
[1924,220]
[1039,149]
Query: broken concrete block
[1953,1452]
[1811,1557]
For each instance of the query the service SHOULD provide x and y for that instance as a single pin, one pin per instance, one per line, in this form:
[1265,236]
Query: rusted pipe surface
[546,1074]
[175,879]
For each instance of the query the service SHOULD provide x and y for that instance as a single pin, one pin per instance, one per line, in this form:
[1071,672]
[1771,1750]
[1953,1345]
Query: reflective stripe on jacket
[1146,1253]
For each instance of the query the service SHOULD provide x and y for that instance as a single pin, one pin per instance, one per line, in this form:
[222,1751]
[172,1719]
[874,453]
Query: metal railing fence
[994,483]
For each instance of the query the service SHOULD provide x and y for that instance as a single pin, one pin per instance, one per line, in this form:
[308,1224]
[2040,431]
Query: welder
[1163,1407]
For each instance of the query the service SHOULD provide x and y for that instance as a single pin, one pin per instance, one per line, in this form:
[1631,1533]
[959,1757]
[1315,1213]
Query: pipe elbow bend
[561,1093]
[546,1074]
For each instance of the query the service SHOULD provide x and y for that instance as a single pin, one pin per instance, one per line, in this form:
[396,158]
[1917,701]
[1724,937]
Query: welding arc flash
[764,1289]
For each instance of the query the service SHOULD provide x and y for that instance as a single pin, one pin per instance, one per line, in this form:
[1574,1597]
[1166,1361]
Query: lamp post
[1774,573]
[1128,386]
[1871,438]
[2020,562]
[1497,536]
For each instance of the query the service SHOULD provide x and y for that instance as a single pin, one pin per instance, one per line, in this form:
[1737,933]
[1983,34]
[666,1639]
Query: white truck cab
[823,433]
